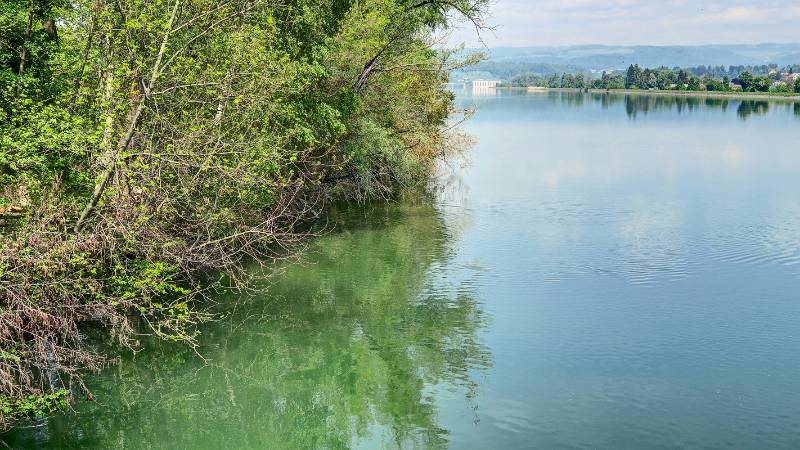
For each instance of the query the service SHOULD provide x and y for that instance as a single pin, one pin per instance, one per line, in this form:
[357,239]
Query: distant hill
[505,62]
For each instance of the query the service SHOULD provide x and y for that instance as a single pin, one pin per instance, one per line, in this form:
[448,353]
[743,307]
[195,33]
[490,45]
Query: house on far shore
[789,78]
[735,84]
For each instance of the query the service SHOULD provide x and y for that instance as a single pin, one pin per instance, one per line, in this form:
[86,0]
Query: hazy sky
[665,22]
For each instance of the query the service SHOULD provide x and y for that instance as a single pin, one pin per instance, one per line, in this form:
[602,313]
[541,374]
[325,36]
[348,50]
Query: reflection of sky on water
[664,181]
[641,268]
[552,145]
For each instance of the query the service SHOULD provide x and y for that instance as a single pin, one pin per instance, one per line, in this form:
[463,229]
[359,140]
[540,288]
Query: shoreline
[717,94]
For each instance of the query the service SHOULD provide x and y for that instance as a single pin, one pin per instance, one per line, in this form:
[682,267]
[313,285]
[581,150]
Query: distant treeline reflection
[644,104]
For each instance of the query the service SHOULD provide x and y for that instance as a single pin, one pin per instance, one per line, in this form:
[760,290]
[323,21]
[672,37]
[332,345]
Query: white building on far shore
[484,87]
[484,84]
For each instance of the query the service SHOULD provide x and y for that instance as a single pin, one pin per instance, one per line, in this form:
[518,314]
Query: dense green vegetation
[681,79]
[149,149]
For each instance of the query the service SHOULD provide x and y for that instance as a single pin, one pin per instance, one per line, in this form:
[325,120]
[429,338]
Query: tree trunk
[112,153]
[23,54]
[76,88]
[368,67]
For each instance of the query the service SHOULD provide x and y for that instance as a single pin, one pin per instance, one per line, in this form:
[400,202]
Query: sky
[521,23]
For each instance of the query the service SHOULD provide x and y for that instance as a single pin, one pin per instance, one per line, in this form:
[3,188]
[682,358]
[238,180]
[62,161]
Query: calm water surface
[607,272]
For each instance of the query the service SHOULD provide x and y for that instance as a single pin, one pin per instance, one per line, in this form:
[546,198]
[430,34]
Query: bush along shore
[148,148]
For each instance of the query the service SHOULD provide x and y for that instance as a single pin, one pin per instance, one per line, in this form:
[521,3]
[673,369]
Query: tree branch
[368,67]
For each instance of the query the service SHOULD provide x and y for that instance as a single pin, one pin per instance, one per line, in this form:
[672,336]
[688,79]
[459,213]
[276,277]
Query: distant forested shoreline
[767,79]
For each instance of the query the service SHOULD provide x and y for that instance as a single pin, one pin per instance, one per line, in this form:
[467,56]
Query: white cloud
[571,22]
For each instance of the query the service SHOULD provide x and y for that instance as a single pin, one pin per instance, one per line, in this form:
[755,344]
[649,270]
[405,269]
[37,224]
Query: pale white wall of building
[476,84]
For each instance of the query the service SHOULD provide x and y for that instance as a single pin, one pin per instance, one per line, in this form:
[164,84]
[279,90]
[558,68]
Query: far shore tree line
[767,78]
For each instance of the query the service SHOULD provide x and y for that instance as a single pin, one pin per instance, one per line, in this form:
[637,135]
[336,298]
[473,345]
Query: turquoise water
[608,271]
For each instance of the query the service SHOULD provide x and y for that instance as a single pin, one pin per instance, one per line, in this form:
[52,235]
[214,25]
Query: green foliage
[145,145]
[633,77]
[145,277]
[752,83]
[783,88]
[35,405]
[693,84]
[717,86]
[373,146]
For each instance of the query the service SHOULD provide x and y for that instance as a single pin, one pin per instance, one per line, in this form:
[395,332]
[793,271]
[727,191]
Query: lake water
[608,271]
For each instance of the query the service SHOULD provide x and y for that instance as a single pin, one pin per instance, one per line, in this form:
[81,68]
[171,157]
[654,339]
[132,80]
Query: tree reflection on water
[636,104]
[749,107]
[348,346]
